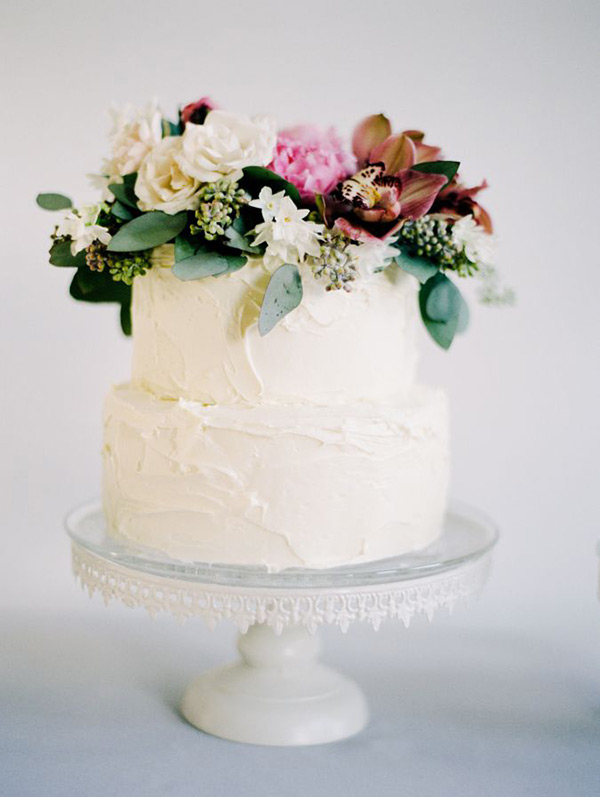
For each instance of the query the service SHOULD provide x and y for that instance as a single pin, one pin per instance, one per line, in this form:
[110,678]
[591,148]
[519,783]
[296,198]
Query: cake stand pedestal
[279,693]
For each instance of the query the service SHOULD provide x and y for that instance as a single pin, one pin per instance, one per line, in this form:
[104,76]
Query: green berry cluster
[432,238]
[121,267]
[220,203]
[335,263]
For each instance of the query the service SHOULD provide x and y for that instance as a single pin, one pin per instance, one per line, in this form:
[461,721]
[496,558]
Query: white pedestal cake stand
[279,693]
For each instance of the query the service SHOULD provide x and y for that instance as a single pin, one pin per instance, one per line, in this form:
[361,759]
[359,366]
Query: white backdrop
[508,88]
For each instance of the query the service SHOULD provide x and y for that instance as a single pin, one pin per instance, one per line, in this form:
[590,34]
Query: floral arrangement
[224,188]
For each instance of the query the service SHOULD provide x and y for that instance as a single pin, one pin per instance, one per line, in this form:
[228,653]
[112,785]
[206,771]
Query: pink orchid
[195,112]
[375,202]
[373,142]
[375,205]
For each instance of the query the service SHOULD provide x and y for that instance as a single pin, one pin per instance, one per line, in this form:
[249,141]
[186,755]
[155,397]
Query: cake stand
[279,693]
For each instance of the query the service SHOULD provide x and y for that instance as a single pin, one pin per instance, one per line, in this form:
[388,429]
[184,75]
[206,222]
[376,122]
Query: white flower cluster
[288,236]
[374,256]
[80,226]
[478,245]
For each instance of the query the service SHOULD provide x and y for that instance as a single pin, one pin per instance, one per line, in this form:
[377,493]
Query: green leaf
[463,316]
[447,168]
[171,128]
[237,240]
[256,177]
[440,303]
[121,211]
[207,263]
[98,286]
[147,231]
[60,255]
[184,248]
[418,267]
[283,294]
[125,318]
[53,201]
[320,203]
[124,191]
[443,299]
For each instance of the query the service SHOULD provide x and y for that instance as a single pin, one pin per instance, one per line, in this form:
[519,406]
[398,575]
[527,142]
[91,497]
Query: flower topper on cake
[225,190]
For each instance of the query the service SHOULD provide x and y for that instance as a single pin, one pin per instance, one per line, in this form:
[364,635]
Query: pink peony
[313,160]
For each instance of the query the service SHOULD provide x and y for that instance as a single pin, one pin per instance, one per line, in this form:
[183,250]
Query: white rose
[225,144]
[161,184]
[135,132]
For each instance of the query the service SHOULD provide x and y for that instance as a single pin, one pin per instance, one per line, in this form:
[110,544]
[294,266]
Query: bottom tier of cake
[277,486]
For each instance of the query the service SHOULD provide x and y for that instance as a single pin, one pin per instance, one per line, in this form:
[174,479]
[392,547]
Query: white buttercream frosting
[199,340]
[276,485]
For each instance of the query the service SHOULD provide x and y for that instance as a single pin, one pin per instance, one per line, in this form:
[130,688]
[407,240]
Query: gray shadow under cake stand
[279,693]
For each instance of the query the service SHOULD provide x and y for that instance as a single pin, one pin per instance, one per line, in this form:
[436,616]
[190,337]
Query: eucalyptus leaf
[463,316]
[237,240]
[283,294]
[121,211]
[447,168]
[53,201]
[147,231]
[207,263]
[60,255]
[183,248]
[440,303]
[256,177]
[443,299]
[418,267]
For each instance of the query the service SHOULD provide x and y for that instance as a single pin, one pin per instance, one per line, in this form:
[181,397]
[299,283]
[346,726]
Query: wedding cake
[273,283]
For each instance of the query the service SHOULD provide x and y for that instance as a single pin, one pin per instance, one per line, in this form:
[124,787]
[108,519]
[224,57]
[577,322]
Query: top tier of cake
[199,340]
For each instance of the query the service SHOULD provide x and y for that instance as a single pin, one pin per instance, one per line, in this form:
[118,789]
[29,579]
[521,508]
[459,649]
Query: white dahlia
[134,133]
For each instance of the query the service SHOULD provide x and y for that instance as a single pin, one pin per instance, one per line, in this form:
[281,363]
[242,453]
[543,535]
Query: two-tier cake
[273,283]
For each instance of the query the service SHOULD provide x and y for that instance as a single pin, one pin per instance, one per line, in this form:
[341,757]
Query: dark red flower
[456,201]
[195,112]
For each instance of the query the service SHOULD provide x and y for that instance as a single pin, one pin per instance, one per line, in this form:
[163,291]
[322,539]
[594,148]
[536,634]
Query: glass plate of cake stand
[279,693]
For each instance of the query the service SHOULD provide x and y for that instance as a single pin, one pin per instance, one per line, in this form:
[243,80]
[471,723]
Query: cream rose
[135,132]
[225,144]
[161,184]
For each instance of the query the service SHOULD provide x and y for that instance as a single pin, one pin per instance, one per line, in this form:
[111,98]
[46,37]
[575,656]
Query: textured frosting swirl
[276,486]
[199,340]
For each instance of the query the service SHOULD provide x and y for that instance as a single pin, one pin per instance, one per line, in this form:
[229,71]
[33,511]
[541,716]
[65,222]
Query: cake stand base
[278,694]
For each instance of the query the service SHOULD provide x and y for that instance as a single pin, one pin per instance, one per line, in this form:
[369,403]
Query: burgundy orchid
[456,201]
